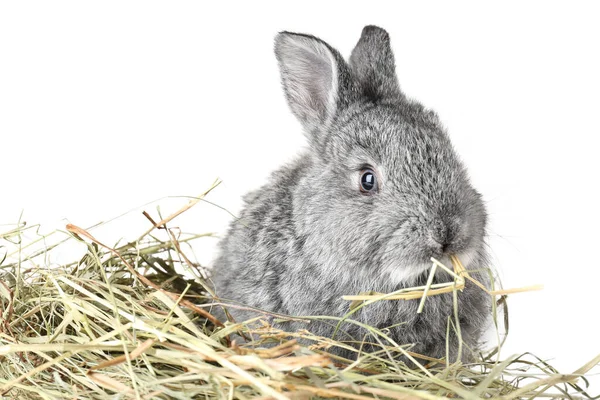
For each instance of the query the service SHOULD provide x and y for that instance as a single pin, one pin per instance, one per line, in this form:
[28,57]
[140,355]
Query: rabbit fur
[310,235]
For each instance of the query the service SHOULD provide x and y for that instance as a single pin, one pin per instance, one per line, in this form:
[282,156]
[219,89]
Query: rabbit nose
[444,235]
[443,240]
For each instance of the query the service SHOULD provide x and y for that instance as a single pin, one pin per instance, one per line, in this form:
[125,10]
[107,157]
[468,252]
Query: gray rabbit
[379,192]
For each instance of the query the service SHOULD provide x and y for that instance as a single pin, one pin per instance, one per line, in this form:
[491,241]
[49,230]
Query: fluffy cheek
[401,260]
[337,226]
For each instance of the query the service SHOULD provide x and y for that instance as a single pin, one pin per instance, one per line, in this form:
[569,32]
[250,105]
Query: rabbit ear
[372,63]
[315,77]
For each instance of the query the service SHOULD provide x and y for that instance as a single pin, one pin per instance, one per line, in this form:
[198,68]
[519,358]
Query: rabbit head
[385,190]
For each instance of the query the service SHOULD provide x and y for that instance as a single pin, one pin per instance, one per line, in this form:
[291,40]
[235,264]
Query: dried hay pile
[122,323]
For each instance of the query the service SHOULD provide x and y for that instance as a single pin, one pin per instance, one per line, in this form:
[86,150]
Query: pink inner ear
[307,67]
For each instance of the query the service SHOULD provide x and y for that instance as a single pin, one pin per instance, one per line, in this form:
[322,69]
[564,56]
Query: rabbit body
[377,194]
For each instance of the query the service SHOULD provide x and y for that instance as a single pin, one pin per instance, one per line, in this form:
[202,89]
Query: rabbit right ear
[372,62]
[315,78]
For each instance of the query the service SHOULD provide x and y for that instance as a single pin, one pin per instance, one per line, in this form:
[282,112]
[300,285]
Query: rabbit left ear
[372,64]
[315,78]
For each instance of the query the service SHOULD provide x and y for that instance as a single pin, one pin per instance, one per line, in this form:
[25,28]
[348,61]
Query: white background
[106,106]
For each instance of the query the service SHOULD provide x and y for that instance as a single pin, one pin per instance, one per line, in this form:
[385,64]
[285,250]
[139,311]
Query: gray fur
[310,236]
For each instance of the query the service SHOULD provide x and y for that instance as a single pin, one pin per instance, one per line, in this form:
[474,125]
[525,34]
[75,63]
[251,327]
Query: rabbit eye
[368,181]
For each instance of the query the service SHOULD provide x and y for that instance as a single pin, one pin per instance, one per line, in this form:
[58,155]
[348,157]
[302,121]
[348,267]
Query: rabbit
[377,193]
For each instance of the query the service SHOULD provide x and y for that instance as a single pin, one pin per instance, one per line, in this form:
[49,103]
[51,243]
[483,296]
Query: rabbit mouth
[417,274]
[409,276]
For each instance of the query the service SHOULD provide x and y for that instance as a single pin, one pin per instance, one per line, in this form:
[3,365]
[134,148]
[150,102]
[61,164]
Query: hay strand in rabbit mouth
[122,322]
[458,272]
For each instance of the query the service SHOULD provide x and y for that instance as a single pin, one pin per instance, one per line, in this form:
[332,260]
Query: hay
[123,323]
